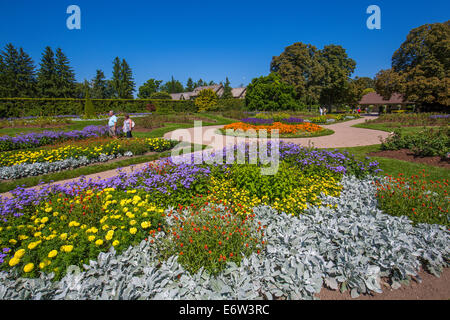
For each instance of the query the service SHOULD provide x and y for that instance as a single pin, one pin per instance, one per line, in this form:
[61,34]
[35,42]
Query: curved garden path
[344,136]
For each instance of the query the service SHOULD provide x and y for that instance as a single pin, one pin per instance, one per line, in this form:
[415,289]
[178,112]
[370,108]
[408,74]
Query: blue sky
[209,39]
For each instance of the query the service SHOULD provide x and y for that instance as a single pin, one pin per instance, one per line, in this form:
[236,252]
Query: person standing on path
[320,110]
[112,124]
[128,126]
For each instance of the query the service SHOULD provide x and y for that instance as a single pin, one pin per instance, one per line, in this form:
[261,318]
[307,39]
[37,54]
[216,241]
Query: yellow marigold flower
[44,219]
[49,209]
[19,253]
[91,238]
[115,243]
[13,241]
[133,230]
[63,236]
[132,222]
[28,268]
[52,254]
[145,224]
[42,265]
[23,237]
[67,248]
[13,261]
[99,242]
[109,235]
[32,245]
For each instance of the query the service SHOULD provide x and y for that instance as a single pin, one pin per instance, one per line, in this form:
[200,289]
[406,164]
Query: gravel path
[345,136]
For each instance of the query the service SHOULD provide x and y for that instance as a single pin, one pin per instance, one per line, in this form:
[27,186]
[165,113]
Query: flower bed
[169,184]
[283,129]
[207,230]
[327,119]
[420,199]
[426,143]
[15,164]
[34,139]
[347,249]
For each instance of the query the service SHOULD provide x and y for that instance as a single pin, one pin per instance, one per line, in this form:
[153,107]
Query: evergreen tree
[17,73]
[110,92]
[227,94]
[10,71]
[99,86]
[88,105]
[172,86]
[47,75]
[26,79]
[122,81]
[127,86]
[116,78]
[2,78]
[65,76]
[190,85]
[200,83]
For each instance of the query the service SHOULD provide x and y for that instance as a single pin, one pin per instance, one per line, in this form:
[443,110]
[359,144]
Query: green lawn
[158,132]
[394,166]
[389,127]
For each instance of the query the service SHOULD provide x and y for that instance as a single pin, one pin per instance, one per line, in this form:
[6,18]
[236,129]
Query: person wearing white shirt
[128,126]
[112,124]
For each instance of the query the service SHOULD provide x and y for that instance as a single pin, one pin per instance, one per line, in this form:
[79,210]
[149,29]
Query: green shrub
[270,94]
[161,95]
[426,143]
[22,107]
[206,100]
[89,111]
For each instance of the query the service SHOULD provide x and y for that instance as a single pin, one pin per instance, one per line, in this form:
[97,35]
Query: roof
[238,92]
[215,88]
[374,98]
[176,96]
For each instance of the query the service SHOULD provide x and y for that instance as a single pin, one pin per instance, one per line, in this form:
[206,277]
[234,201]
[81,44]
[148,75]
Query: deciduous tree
[269,93]
[148,88]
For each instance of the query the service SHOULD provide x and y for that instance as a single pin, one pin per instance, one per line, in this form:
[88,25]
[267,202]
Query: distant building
[238,93]
[376,100]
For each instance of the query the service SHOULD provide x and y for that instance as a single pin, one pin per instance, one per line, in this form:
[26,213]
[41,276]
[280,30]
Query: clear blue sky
[209,39]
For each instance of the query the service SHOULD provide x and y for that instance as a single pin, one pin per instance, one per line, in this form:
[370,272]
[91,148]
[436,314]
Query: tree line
[303,75]
[55,78]
[153,88]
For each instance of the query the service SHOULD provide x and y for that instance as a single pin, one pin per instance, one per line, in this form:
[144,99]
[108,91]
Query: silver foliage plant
[38,168]
[348,248]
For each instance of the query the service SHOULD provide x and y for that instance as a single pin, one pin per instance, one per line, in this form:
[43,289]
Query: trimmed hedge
[23,107]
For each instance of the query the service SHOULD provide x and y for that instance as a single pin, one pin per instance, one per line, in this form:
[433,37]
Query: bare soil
[431,288]
[408,155]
